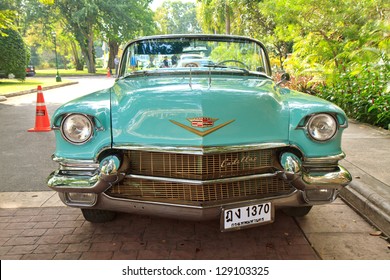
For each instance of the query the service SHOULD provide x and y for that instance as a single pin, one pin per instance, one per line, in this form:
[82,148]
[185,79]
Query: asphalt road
[26,156]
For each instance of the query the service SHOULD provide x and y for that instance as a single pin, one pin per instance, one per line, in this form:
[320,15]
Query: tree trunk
[89,61]
[91,55]
[114,48]
[87,50]
[227,16]
[79,65]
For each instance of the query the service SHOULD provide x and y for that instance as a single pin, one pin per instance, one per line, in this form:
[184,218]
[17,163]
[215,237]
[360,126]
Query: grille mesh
[200,167]
[179,192]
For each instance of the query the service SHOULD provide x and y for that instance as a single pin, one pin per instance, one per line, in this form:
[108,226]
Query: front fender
[97,106]
[303,105]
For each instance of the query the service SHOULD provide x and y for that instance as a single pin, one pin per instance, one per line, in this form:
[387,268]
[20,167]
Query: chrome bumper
[91,178]
[182,212]
[84,176]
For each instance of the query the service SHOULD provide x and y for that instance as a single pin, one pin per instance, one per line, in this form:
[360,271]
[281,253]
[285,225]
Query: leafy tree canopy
[7,16]
[177,17]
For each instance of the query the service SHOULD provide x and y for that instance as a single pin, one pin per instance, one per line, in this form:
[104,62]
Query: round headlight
[77,128]
[322,127]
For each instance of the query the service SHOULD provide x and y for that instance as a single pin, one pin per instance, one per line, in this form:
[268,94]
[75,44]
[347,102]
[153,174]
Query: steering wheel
[234,61]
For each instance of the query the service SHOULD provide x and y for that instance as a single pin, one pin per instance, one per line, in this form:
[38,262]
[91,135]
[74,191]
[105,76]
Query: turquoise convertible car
[218,139]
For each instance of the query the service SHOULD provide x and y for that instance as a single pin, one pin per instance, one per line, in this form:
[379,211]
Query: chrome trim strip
[323,160]
[335,179]
[83,184]
[201,150]
[82,163]
[78,182]
[199,207]
[302,180]
[200,182]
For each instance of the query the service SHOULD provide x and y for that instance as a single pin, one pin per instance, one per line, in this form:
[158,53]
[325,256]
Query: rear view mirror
[283,79]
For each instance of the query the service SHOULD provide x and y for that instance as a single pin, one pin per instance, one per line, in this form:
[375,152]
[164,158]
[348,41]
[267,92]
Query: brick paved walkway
[62,233]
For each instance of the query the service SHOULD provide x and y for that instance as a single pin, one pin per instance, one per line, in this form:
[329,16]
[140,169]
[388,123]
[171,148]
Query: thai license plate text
[246,216]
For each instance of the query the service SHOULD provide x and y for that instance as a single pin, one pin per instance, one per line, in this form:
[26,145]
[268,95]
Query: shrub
[305,84]
[14,54]
[364,96]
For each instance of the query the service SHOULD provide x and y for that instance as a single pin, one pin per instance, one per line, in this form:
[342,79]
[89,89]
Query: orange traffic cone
[42,123]
[108,72]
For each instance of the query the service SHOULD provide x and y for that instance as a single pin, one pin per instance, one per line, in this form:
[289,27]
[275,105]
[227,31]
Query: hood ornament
[201,122]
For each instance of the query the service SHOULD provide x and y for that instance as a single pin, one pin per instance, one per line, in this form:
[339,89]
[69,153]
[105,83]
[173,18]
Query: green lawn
[13,85]
[44,77]
[67,72]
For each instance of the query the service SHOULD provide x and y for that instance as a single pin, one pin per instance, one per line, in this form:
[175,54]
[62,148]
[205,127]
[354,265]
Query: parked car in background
[30,70]
[193,60]
[211,141]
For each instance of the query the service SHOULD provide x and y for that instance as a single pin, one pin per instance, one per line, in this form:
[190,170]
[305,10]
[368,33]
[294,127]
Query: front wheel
[297,211]
[98,216]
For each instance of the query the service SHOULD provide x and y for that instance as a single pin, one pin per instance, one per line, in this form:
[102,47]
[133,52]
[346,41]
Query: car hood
[197,111]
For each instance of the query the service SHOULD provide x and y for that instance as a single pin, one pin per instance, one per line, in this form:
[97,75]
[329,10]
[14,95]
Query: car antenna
[209,78]
[190,84]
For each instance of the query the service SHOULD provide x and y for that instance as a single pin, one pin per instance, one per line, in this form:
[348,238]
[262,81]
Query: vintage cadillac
[218,141]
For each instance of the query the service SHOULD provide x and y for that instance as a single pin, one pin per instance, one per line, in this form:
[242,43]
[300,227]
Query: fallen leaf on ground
[376,233]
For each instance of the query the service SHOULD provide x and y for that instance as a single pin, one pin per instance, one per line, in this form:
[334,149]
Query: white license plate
[246,216]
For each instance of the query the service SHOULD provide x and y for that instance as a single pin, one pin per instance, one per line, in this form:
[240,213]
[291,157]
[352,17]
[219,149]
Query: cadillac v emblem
[201,122]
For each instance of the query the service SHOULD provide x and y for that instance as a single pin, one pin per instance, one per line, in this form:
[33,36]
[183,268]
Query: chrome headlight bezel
[87,128]
[319,134]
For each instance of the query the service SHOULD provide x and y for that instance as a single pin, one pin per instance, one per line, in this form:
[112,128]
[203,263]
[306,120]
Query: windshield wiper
[246,71]
[136,74]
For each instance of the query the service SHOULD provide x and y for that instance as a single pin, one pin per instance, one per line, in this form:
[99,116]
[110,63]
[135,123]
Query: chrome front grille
[171,192]
[207,179]
[200,167]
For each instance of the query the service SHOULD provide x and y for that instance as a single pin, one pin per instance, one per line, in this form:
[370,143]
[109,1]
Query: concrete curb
[376,214]
[13,94]
[364,196]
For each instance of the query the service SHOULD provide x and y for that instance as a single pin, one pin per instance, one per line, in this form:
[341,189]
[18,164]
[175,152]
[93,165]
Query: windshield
[202,53]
